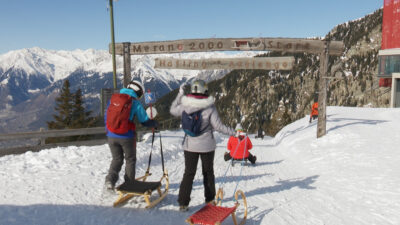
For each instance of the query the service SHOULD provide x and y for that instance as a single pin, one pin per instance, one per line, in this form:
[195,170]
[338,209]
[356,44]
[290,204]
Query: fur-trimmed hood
[210,121]
[192,104]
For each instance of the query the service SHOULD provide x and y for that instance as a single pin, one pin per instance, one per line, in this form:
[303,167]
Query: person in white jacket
[202,146]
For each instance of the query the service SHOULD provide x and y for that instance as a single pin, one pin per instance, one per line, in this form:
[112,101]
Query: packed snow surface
[349,176]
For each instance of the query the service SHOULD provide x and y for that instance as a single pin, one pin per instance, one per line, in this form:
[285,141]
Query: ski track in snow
[350,176]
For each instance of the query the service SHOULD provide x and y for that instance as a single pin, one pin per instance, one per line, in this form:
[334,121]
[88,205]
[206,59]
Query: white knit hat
[239,127]
[137,87]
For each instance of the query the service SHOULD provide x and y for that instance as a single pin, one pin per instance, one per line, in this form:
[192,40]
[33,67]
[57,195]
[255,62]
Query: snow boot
[212,202]
[109,185]
[227,156]
[183,208]
[254,160]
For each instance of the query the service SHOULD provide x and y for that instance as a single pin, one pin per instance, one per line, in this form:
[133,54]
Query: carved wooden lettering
[264,63]
[136,48]
[229,44]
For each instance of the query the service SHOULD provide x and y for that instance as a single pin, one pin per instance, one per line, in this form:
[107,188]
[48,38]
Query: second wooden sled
[142,188]
[212,214]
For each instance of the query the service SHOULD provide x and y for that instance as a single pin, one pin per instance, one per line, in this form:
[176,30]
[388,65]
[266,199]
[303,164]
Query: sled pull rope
[226,171]
[162,155]
[151,152]
[231,161]
[241,168]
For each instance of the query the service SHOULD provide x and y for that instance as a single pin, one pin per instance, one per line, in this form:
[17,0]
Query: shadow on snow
[353,121]
[222,180]
[284,185]
[47,214]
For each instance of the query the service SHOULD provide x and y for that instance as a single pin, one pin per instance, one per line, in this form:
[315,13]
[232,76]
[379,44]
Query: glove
[151,123]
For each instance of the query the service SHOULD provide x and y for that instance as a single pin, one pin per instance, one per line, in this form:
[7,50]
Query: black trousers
[313,117]
[122,148]
[207,165]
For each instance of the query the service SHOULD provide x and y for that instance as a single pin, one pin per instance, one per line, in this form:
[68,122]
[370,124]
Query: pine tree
[63,119]
[80,118]
[71,114]
[64,104]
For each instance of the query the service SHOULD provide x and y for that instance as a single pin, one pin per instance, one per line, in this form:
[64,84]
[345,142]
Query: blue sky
[84,24]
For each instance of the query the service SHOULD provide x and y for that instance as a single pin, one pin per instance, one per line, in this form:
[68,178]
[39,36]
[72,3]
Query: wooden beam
[259,63]
[127,64]
[322,94]
[52,133]
[231,44]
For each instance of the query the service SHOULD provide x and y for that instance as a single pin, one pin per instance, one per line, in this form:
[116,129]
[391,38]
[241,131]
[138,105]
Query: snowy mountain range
[30,80]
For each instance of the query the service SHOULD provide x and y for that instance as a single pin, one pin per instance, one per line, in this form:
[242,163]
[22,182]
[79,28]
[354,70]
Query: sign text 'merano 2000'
[259,63]
[230,44]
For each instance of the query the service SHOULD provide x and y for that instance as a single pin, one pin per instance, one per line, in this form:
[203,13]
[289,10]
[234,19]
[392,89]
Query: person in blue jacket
[124,145]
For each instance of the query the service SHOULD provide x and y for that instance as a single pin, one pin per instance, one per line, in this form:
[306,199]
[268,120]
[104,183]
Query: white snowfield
[350,176]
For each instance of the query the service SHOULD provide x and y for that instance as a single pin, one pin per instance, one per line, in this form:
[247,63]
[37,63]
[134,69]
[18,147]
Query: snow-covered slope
[350,176]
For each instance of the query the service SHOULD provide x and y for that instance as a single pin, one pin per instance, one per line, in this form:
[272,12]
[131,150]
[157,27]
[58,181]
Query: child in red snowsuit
[314,111]
[239,147]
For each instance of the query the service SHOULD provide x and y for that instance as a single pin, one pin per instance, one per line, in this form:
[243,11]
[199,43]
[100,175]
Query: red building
[389,55]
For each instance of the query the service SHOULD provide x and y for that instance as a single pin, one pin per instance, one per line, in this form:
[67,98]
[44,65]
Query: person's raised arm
[176,106]
[217,125]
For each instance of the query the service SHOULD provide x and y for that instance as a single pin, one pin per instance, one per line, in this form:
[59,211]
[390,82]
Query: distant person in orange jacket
[239,147]
[314,111]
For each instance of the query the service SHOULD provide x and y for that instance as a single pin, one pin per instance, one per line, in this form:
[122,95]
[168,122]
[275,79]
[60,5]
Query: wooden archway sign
[322,47]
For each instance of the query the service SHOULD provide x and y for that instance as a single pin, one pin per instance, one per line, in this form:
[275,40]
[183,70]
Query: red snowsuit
[314,109]
[241,141]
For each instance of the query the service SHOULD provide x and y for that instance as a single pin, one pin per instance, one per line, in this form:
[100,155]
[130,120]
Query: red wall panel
[391,24]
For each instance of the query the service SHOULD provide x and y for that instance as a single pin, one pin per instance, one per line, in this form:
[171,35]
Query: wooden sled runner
[142,188]
[215,214]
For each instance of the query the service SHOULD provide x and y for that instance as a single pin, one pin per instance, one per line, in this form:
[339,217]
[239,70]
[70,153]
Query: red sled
[212,214]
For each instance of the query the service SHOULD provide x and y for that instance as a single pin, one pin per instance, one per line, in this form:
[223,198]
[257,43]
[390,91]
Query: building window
[388,64]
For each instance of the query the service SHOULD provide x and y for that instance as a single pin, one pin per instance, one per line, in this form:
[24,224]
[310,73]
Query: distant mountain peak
[30,75]
[59,64]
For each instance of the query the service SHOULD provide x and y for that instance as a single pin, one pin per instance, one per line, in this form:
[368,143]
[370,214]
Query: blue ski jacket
[136,110]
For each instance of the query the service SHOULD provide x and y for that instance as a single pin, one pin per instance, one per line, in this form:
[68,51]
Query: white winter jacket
[210,122]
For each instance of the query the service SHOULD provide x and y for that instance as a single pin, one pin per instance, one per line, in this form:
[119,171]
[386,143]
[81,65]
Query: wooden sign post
[323,71]
[127,63]
[293,45]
